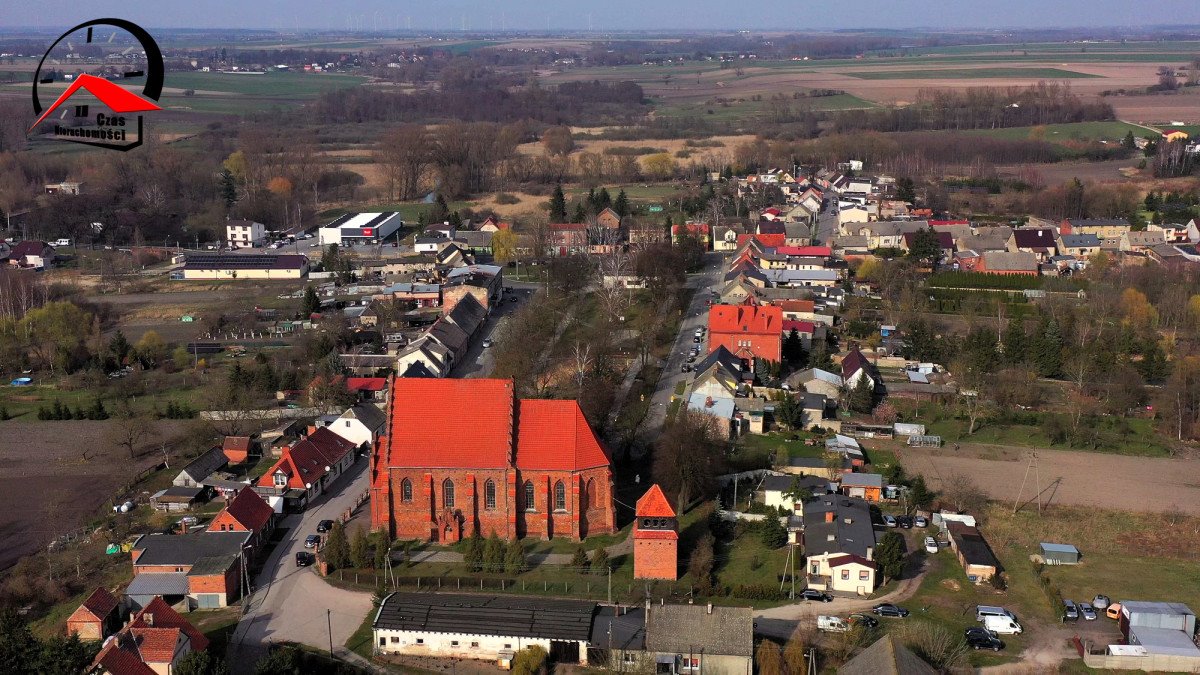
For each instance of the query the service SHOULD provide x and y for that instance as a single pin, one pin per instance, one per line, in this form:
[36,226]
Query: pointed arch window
[560,496]
[530,503]
[489,494]
[448,493]
[406,490]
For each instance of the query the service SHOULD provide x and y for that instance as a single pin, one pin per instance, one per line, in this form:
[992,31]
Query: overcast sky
[612,14]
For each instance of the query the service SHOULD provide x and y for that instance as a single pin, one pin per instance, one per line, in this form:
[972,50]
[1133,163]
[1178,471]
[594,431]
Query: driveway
[294,604]
[697,315]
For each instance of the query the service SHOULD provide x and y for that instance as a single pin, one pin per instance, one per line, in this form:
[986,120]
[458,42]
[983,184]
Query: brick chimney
[829,516]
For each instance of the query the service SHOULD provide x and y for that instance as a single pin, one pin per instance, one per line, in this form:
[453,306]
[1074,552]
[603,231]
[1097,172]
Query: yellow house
[202,266]
[1175,135]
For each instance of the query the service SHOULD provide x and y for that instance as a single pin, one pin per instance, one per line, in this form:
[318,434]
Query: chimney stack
[829,516]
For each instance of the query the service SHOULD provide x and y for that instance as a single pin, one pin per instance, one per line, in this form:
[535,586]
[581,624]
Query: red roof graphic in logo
[117,98]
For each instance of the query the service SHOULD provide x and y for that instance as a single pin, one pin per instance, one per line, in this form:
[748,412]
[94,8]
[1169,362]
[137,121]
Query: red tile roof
[818,251]
[99,603]
[795,305]
[693,228]
[305,461]
[948,223]
[800,326]
[120,657]
[451,423]
[767,240]
[366,383]
[156,645]
[654,504]
[28,248]
[249,509]
[161,615]
[236,443]
[554,435]
[744,319]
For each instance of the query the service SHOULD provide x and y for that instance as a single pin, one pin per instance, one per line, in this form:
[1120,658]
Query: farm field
[1079,131]
[971,73]
[1148,484]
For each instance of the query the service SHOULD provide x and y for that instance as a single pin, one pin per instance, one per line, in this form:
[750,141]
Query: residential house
[246,512]
[868,486]
[200,468]
[236,448]
[778,489]
[802,278]
[724,238]
[1103,228]
[645,233]
[453,255]
[985,239]
[748,332]
[473,458]
[98,617]
[676,639]
[360,424]
[1172,135]
[609,220]
[153,643]
[816,381]
[967,260]
[886,656]
[245,234]
[421,295]
[427,353]
[700,231]
[847,447]
[855,213]
[839,545]
[474,242]
[945,241]
[1177,233]
[493,224]
[1079,245]
[66,187]
[201,569]
[972,551]
[34,255]
[856,366]
[482,627]
[1140,242]
[725,422]
[1040,241]
[762,241]
[307,467]
[484,282]
[368,388]
[1009,263]
[430,242]
[718,375]
[567,239]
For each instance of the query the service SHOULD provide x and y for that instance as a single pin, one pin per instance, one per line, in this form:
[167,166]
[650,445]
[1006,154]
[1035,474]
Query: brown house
[97,618]
[236,448]
[247,512]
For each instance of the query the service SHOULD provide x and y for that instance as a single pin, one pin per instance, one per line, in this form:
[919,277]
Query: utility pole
[329,627]
[609,586]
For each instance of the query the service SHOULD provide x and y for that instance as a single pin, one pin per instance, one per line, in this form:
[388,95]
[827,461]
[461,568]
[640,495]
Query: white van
[1002,625]
[984,611]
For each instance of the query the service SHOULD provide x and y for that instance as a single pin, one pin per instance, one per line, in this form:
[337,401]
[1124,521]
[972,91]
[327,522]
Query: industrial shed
[1059,554]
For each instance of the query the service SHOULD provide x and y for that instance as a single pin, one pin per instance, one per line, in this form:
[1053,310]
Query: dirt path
[904,590]
[1119,482]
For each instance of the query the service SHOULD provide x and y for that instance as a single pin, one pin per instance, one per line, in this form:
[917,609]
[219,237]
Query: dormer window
[280,479]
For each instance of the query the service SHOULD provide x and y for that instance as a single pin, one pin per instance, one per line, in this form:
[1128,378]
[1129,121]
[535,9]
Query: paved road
[827,224]
[291,602]
[479,361]
[697,315]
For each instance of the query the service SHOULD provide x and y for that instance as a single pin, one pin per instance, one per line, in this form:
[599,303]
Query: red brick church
[465,456]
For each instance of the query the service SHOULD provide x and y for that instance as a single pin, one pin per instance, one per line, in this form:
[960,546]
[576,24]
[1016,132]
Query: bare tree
[962,493]
[130,430]
[582,353]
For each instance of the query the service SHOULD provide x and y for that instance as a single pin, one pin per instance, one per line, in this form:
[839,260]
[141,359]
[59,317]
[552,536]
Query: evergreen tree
[473,552]
[1128,142]
[337,549]
[455,220]
[772,533]
[119,347]
[580,559]
[360,549]
[514,557]
[558,205]
[906,190]
[590,201]
[1015,342]
[383,548]
[926,247]
[793,349]
[789,412]
[621,205]
[441,210]
[919,494]
[17,643]
[580,213]
[228,188]
[862,396]
[889,555]
[493,553]
[600,561]
[1049,350]
[603,200]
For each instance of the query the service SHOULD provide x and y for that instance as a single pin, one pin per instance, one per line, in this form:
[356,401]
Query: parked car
[697,339]
[985,642]
[815,595]
[1088,612]
[1002,625]
[888,609]
[1070,611]
[920,521]
[691,358]
[1113,611]
[890,521]
[324,526]
[685,368]
[312,541]
[977,632]
[905,521]
[931,545]
[304,559]
[864,619]
[1101,601]
[487,342]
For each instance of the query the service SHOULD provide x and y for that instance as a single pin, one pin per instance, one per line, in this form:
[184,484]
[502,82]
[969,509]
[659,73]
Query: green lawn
[1141,439]
[284,85]
[972,73]
[1061,133]
[762,444]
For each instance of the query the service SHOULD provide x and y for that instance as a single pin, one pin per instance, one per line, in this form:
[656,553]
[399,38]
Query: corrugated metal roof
[487,615]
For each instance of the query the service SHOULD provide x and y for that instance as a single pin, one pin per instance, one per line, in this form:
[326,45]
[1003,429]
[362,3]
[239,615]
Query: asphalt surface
[293,604]
[697,315]
[827,223]
[479,361]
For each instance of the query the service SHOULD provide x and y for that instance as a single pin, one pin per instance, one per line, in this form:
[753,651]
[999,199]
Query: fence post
[418,583]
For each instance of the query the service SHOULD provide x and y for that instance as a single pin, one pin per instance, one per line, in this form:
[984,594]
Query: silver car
[1087,611]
